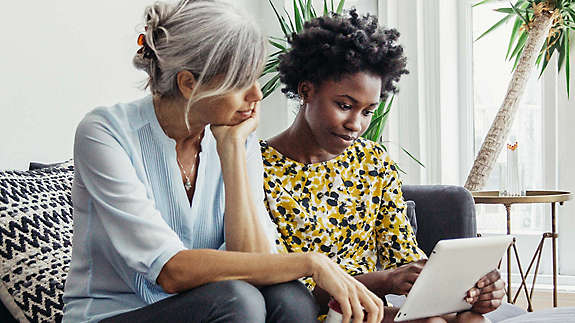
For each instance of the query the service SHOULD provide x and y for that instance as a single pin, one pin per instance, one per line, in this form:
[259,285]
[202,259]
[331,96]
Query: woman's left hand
[487,294]
[237,133]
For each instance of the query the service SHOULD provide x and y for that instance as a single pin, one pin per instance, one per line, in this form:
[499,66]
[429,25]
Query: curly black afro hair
[329,48]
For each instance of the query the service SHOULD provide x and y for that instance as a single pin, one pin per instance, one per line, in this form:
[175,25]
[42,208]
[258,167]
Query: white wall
[58,61]
[62,58]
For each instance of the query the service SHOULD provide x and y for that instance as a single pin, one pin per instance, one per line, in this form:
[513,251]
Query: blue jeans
[230,301]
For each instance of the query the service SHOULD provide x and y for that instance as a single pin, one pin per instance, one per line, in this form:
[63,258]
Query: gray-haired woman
[169,221]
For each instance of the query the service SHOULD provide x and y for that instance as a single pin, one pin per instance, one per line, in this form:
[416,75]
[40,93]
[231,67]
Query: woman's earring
[301,102]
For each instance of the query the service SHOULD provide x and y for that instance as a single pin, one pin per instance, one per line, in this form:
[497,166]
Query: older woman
[169,221]
[330,191]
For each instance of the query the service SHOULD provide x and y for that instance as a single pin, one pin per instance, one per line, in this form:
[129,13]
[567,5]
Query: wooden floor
[543,299]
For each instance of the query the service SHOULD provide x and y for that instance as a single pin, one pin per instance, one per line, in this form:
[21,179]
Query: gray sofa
[442,212]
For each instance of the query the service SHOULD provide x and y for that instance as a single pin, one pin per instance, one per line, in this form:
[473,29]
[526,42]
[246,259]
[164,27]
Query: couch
[36,231]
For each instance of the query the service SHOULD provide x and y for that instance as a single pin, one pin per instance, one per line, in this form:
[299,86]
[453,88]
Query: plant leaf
[308,9]
[290,22]
[297,17]
[561,59]
[514,33]
[519,46]
[518,13]
[271,86]
[285,28]
[277,45]
[325,10]
[340,6]
[481,2]
[495,26]
[504,10]
[302,9]
[412,157]
[313,13]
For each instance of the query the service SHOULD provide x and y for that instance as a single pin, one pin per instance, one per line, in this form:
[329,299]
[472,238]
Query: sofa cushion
[35,241]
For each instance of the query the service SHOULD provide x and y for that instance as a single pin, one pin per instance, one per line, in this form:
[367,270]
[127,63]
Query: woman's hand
[487,294]
[400,280]
[237,133]
[352,296]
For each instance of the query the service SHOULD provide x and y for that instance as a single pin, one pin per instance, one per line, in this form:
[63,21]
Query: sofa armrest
[443,212]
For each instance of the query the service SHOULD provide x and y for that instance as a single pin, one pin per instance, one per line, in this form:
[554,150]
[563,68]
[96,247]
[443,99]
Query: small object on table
[541,196]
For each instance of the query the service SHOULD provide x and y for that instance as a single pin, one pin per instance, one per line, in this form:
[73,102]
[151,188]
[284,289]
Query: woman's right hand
[400,280]
[352,296]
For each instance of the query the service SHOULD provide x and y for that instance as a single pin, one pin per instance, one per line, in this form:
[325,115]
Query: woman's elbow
[171,278]
[168,281]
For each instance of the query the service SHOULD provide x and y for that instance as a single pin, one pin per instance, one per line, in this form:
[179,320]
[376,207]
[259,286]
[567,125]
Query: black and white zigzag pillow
[35,241]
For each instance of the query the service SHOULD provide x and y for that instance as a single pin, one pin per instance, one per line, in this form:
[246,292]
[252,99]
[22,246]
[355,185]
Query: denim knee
[243,302]
[290,302]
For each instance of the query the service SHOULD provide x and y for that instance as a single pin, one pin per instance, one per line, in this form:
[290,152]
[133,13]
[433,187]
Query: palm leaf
[290,22]
[313,13]
[518,13]
[276,54]
[482,2]
[495,26]
[309,10]
[271,85]
[283,25]
[514,32]
[297,17]
[302,9]
[504,10]
[277,45]
[325,10]
[412,157]
[340,6]
[519,46]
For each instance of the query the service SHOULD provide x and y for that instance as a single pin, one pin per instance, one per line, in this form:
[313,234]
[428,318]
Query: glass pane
[491,73]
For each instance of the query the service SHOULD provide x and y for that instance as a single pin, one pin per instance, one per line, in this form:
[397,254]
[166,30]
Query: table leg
[554,243]
[508,209]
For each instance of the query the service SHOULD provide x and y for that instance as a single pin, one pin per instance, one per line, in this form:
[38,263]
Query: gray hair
[209,38]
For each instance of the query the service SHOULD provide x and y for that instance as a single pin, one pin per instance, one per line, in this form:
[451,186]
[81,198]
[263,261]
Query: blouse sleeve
[134,227]
[396,242]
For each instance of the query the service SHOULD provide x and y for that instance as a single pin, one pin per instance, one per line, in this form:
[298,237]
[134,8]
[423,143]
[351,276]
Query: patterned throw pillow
[35,241]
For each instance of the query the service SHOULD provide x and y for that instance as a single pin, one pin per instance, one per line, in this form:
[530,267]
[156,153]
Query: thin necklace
[188,183]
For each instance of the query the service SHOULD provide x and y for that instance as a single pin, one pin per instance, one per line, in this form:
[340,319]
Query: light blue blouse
[131,211]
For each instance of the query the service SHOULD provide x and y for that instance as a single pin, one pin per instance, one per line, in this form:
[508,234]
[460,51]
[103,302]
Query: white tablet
[453,268]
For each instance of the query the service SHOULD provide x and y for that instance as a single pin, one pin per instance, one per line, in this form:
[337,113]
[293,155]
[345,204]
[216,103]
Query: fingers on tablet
[488,279]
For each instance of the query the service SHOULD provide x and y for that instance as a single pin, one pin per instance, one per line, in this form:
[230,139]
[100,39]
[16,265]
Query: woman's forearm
[243,230]
[192,268]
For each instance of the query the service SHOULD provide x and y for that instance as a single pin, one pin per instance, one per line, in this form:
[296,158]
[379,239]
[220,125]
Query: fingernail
[480,284]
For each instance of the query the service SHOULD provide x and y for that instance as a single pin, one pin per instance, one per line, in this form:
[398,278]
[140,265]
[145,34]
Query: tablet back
[453,268]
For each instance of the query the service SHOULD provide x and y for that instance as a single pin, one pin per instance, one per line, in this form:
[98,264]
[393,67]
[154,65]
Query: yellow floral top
[350,208]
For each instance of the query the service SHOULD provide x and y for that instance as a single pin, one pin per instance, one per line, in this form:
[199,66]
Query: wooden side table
[552,197]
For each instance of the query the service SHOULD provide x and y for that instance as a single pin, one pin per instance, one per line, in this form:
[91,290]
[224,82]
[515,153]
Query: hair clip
[145,49]
[141,39]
